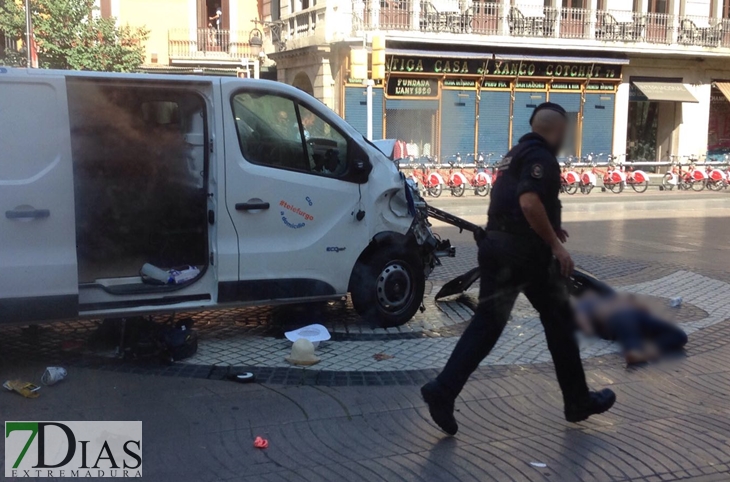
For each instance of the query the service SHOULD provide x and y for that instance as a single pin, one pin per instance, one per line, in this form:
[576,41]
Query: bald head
[551,125]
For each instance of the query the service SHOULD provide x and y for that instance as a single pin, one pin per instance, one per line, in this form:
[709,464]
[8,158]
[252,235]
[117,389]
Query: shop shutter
[458,116]
[356,110]
[403,104]
[525,103]
[598,124]
[494,123]
[571,104]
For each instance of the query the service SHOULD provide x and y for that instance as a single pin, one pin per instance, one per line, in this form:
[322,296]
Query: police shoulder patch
[536,171]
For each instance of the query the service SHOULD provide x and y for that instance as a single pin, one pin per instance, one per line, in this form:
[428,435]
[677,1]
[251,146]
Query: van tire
[388,286]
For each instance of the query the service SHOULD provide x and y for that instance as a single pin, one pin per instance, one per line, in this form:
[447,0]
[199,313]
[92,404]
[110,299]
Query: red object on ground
[261,443]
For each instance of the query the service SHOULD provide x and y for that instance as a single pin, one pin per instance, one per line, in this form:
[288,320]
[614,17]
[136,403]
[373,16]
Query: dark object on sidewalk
[459,284]
[440,406]
[245,377]
[580,281]
[179,342]
[597,402]
[139,337]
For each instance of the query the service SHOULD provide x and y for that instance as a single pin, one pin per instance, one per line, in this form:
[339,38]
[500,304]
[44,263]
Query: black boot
[440,406]
[597,402]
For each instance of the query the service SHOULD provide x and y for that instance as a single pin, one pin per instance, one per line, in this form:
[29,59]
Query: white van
[260,187]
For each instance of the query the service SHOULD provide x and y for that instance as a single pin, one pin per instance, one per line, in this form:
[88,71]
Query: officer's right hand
[563,257]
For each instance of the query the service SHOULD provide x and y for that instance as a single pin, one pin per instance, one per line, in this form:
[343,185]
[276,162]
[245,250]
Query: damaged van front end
[388,281]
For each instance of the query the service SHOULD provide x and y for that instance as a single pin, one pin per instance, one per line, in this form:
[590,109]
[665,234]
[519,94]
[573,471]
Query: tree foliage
[70,35]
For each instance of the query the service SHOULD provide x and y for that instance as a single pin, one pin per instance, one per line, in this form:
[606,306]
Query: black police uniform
[514,259]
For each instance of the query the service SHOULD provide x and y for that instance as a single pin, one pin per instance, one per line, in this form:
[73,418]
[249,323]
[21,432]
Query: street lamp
[256,42]
[28,35]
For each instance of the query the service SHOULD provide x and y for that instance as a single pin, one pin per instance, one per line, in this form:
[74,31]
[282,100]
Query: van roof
[186,78]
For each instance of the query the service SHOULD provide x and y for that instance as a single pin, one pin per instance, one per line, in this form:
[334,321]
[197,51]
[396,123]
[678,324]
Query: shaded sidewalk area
[670,422]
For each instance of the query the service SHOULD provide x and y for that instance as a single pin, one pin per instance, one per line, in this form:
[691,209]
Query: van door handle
[31,214]
[252,206]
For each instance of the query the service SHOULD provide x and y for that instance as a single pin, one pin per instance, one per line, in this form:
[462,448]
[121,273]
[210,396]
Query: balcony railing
[703,32]
[304,23]
[487,18]
[208,44]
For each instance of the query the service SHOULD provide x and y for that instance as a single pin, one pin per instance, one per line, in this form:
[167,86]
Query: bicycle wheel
[714,185]
[617,187]
[482,190]
[457,191]
[436,190]
[640,186]
[588,188]
[667,182]
[698,186]
[571,188]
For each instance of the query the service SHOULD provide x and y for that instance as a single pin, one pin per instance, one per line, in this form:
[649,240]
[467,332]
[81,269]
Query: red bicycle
[457,182]
[429,182]
[637,179]
[477,177]
[569,179]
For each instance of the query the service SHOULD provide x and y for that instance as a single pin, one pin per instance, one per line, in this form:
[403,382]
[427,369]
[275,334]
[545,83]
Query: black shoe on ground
[597,402]
[440,406]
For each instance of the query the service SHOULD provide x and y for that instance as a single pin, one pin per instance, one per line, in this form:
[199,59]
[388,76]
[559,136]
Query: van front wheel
[388,287]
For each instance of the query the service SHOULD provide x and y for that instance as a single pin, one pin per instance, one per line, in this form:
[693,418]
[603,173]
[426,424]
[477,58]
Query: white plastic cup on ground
[53,375]
[675,302]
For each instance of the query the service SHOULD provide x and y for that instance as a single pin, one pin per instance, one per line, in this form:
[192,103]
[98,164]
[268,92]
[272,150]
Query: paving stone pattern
[252,339]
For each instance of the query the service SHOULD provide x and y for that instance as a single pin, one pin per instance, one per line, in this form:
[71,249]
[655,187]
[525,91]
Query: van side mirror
[360,165]
[361,170]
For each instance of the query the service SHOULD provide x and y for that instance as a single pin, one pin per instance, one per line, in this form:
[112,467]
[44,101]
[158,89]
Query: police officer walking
[522,251]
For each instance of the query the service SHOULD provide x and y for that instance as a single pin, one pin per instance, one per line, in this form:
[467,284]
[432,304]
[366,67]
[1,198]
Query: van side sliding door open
[38,267]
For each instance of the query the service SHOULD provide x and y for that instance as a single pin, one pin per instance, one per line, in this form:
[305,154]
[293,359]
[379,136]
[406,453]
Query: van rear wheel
[388,287]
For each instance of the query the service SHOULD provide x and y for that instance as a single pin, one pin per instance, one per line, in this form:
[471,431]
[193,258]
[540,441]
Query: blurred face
[559,134]
[283,117]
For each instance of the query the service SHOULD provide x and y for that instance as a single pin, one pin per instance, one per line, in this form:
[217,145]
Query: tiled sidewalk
[252,339]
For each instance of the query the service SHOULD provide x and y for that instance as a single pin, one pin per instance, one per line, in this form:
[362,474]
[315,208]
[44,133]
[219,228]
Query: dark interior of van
[140,163]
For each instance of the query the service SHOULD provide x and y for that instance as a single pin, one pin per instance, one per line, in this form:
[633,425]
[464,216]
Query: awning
[666,91]
[724,88]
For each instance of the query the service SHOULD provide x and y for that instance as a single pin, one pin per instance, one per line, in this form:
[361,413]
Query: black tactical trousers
[509,265]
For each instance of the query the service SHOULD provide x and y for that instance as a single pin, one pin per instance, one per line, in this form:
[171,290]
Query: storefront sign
[531,85]
[515,68]
[351,80]
[572,86]
[435,65]
[496,84]
[600,87]
[400,87]
[511,68]
[462,83]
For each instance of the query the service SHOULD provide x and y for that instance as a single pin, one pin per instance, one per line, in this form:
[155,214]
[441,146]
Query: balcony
[208,46]
[610,28]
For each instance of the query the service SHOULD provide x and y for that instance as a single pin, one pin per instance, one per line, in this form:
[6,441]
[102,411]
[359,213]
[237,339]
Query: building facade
[647,79]
[201,36]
